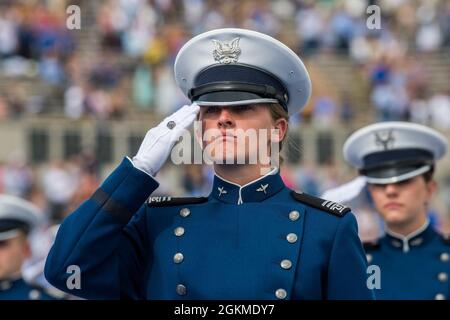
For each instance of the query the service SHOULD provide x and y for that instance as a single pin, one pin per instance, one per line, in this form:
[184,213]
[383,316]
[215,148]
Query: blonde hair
[278,112]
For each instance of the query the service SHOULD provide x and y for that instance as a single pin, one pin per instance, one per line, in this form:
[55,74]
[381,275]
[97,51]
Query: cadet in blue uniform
[397,160]
[17,218]
[252,237]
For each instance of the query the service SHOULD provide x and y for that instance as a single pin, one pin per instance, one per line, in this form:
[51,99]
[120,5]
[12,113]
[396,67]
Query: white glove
[159,141]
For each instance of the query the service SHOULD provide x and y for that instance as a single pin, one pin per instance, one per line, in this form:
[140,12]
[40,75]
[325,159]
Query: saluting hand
[159,141]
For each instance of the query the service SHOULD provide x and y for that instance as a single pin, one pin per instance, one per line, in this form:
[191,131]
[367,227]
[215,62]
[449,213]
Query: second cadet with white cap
[397,159]
[18,218]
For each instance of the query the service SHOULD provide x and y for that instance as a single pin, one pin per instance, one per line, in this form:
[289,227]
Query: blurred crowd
[122,58]
[56,187]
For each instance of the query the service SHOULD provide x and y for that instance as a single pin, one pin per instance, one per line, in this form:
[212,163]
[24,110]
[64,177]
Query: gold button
[442,276]
[439,296]
[181,289]
[294,215]
[445,257]
[179,231]
[286,264]
[178,257]
[185,212]
[281,293]
[369,258]
[291,237]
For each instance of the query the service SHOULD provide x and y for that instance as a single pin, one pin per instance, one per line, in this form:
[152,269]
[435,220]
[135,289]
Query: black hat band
[245,82]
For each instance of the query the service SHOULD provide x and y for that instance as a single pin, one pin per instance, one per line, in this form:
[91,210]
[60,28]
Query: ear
[431,188]
[26,247]
[282,126]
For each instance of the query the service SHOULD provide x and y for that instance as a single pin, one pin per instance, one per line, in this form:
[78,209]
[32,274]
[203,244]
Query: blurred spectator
[74,102]
[440,110]
[419,111]
[417,75]
[310,28]
[15,99]
[17,177]
[347,109]
[324,112]
[261,18]
[143,90]
[168,96]
[343,28]
[106,72]
[429,35]
[50,69]
[8,33]
[59,183]
[98,103]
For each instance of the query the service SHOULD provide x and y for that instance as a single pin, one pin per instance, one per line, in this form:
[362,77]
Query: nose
[225,120]
[391,189]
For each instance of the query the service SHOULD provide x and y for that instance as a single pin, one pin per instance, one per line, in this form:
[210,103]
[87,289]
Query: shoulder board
[371,245]
[171,201]
[446,239]
[322,204]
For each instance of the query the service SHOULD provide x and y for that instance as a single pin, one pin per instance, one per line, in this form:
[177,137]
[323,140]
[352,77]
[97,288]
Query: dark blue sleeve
[347,270]
[100,240]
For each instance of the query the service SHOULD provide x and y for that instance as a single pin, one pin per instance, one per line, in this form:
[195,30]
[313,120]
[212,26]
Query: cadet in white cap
[397,160]
[17,219]
[252,237]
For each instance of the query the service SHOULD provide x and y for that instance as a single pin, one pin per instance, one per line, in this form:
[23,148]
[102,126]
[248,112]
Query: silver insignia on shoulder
[334,206]
[226,53]
[158,199]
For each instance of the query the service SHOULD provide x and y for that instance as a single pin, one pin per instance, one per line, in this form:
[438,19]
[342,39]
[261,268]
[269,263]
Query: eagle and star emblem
[385,139]
[226,52]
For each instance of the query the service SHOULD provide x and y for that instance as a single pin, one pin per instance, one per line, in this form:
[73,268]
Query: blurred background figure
[18,219]
[397,161]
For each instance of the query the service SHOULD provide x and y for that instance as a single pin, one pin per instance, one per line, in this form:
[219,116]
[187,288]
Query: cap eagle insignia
[226,52]
[385,139]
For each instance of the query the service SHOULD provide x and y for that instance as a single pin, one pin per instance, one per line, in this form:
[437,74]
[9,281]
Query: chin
[224,158]
[394,217]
